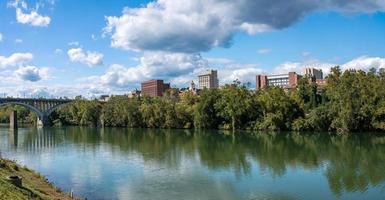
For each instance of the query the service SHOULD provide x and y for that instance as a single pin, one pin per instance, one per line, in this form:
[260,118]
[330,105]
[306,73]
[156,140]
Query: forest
[351,101]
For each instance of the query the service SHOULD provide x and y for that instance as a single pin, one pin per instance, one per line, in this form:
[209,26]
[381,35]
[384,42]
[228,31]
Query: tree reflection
[350,162]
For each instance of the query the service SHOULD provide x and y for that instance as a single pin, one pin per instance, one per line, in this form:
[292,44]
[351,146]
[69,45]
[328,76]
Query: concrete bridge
[42,107]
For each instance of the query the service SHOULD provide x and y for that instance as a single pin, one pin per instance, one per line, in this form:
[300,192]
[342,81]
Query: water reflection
[13,137]
[350,163]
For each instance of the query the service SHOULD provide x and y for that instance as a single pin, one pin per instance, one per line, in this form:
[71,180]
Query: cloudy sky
[70,47]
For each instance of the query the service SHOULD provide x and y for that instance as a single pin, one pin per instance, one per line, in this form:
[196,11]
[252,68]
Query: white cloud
[365,63]
[360,63]
[37,92]
[89,58]
[14,70]
[15,59]
[298,66]
[232,70]
[253,29]
[29,16]
[32,73]
[1,37]
[178,68]
[19,41]
[264,51]
[193,26]
[153,66]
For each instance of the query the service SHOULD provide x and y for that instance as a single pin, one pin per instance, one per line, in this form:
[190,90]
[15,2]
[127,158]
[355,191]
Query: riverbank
[34,185]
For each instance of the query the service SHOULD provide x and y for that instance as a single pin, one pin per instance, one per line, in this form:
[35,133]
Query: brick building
[154,88]
[286,81]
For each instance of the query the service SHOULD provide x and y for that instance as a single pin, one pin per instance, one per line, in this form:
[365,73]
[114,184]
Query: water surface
[178,164]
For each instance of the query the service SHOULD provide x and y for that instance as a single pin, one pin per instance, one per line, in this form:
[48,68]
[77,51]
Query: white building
[209,80]
[312,73]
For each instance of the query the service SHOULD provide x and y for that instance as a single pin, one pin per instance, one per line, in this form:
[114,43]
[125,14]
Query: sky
[56,48]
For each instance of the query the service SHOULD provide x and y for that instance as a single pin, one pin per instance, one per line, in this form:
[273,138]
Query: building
[286,81]
[209,80]
[312,73]
[261,81]
[192,87]
[104,98]
[133,94]
[154,88]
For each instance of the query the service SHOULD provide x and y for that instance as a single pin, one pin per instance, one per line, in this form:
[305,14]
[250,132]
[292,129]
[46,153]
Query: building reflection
[350,163]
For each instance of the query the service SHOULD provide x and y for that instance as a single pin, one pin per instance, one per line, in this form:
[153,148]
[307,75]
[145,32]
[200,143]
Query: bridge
[42,107]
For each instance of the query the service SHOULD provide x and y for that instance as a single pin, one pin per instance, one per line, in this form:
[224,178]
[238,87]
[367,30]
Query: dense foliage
[351,101]
[23,114]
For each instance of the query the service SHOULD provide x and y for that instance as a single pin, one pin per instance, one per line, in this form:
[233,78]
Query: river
[119,163]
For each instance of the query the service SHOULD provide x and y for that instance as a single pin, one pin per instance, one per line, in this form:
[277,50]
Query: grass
[35,186]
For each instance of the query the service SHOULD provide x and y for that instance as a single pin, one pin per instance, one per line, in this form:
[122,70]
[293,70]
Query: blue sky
[69,48]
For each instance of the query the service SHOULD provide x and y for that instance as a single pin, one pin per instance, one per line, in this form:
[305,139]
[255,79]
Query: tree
[234,101]
[205,114]
[278,110]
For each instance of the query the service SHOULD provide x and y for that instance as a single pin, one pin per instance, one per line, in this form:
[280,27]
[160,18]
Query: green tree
[278,110]
[233,103]
[205,115]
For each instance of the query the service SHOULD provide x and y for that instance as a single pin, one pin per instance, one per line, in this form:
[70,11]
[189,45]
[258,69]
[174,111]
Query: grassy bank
[34,185]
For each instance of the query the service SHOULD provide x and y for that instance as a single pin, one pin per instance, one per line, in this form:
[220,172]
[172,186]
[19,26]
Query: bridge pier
[42,121]
[42,107]
[13,120]
[13,137]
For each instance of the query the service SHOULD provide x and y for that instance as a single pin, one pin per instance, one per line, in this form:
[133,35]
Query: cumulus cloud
[15,59]
[33,92]
[365,63]
[298,66]
[89,58]
[178,68]
[193,26]
[361,63]
[230,70]
[153,66]
[253,29]
[29,16]
[31,73]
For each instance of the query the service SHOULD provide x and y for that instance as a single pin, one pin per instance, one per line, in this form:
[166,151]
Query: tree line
[351,101]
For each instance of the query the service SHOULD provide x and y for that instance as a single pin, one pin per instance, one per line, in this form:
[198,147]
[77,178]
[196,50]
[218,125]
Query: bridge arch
[35,110]
[43,108]
[55,108]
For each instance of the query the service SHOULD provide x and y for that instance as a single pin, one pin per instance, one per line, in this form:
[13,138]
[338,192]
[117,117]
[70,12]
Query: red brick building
[261,81]
[154,88]
[286,81]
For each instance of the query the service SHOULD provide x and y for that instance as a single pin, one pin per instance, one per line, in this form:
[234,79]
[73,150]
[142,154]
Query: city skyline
[46,50]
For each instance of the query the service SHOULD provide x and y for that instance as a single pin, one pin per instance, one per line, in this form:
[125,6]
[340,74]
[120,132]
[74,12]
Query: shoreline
[34,185]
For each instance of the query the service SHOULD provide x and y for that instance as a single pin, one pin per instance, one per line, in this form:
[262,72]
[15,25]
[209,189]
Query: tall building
[288,80]
[154,88]
[209,80]
[312,73]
